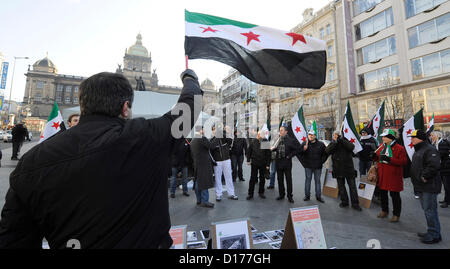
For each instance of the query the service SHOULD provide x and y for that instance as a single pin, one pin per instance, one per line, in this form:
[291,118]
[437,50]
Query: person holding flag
[54,124]
[313,157]
[369,145]
[391,157]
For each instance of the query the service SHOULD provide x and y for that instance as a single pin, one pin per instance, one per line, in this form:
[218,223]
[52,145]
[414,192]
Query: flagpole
[187,66]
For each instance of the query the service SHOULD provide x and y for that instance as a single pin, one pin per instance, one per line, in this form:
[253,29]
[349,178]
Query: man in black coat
[103,183]
[443,146]
[313,157]
[203,167]
[238,149]
[426,180]
[369,145]
[285,149]
[180,161]
[259,159]
[341,151]
[19,133]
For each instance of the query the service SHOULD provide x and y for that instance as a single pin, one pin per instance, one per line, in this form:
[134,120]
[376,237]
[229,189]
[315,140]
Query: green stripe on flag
[213,20]
[54,112]
[418,120]
[350,121]
[300,116]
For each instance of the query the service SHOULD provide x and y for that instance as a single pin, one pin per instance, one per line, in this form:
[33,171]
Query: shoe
[199,203]
[280,198]
[382,214]
[394,219]
[444,205]
[306,198]
[207,204]
[441,202]
[342,205]
[357,207]
[249,197]
[429,240]
[233,197]
[218,199]
[262,196]
[416,196]
[186,194]
[14,159]
[172,195]
[270,187]
[241,179]
[422,234]
[320,199]
[290,200]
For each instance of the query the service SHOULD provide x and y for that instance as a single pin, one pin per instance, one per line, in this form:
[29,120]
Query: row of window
[374,24]
[380,78]
[67,100]
[412,7]
[430,31]
[376,51]
[68,88]
[322,31]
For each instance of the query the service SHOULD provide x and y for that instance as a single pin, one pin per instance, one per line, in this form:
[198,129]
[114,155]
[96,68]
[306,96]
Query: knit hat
[419,134]
[389,133]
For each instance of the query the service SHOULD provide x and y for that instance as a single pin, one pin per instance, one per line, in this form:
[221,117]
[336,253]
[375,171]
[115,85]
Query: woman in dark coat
[203,168]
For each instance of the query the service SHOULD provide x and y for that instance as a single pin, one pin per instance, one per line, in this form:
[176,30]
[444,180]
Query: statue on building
[140,86]
[119,68]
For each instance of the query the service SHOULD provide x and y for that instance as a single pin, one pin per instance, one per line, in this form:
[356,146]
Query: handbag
[372,175]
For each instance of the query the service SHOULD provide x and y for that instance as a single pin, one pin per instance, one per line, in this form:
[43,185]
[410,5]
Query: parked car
[7,136]
[30,136]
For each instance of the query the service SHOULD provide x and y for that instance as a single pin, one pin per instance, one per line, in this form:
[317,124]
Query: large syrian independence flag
[376,125]
[349,130]
[298,126]
[264,55]
[414,123]
[54,124]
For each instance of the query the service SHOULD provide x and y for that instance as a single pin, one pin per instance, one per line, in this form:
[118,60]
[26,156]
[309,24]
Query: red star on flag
[56,125]
[209,29]
[346,130]
[298,129]
[376,119]
[411,145]
[304,139]
[409,131]
[251,36]
[296,37]
[352,141]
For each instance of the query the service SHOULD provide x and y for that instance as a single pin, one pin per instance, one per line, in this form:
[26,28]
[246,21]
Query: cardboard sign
[365,191]
[233,234]
[304,229]
[330,186]
[178,234]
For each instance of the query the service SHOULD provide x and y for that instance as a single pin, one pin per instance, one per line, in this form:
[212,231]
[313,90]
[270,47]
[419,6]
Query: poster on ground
[330,186]
[178,234]
[304,229]
[232,234]
[365,190]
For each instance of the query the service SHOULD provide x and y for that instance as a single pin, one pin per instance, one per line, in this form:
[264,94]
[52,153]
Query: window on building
[68,88]
[325,99]
[330,51]
[332,98]
[328,29]
[376,51]
[75,89]
[58,99]
[331,75]
[59,88]
[39,84]
[380,78]
[429,31]
[360,6]
[431,65]
[414,7]
[75,100]
[322,33]
[374,24]
[67,100]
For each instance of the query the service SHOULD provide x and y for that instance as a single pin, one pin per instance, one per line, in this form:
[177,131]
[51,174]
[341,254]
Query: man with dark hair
[104,183]
[238,149]
[73,120]
[19,133]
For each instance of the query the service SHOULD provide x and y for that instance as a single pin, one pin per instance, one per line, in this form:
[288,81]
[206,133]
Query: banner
[4,75]
[178,234]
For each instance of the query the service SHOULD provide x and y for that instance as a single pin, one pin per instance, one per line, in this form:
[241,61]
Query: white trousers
[225,167]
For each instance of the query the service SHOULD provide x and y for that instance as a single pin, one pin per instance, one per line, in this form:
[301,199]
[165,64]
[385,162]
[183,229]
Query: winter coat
[369,145]
[341,152]
[220,148]
[444,152]
[426,165]
[203,168]
[239,147]
[314,156]
[103,183]
[19,133]
[285,162]
[181,155]
[390,175]
[256,155]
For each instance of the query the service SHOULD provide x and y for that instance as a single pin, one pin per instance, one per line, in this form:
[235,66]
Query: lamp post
[12,80]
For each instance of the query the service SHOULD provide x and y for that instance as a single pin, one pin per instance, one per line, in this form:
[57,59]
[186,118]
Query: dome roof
[45,63]
[137,49]
[208,83]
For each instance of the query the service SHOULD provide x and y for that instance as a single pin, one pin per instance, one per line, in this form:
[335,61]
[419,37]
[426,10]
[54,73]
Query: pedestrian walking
[391,158]
[259,160]
[313,156]
[19,134]
[181,156]
[285,150]
[341,151]
[203,167]
[238,149]
[427,183]
[443,146]
[103,183]
[220,150]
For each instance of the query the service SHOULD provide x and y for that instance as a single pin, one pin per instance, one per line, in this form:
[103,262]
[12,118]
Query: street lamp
[12,80]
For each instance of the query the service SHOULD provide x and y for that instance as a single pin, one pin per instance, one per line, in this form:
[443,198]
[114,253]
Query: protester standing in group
[391,158]
[369,145]
[258,158]
[180,162]
[285,150]
[19,134]
[427,183]
[238,149]
[203,167]
[443,146]
[220,150]
[313,156]
[73,120]
[341,151]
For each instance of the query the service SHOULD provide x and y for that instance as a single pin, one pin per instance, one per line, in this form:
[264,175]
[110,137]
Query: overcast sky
[84,37]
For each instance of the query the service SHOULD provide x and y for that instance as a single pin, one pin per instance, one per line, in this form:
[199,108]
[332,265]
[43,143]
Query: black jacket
[444,152]
[220,148]
[181,155]
[239,147]
[203,166]
[314,156]
[102,182]
[341,152]
[285,162]
[19,133]
[369,146]
[256,155]
[426,164]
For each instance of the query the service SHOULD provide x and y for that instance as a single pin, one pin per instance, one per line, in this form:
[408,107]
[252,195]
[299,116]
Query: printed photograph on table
[259,238]
[275,235]
[233,234]
[197,245]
